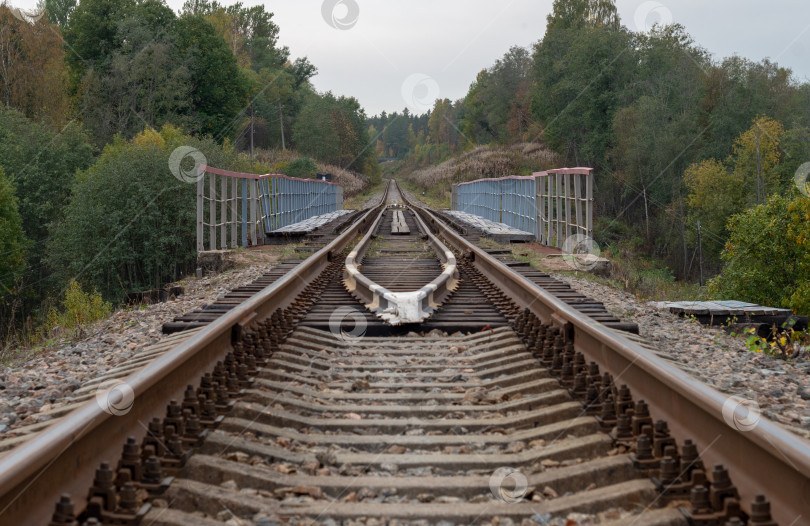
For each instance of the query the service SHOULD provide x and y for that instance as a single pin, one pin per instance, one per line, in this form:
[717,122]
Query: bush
[130,224]
[767,257]
[303,167]
[277,160]
[479,163]
[80,309]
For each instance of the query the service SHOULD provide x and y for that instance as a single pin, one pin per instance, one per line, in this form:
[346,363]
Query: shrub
[130,224]
[79,310]
[303,167]
[767,257]
[482,162]
[278,160]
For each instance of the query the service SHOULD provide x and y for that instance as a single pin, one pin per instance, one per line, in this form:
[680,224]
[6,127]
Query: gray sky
[392,54]
[450,41]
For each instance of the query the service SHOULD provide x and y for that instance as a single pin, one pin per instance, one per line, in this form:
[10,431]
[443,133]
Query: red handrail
[242,175]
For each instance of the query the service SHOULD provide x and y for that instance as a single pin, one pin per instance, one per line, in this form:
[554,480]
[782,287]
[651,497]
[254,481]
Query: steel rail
[398,308]
[63,457]
[766,458]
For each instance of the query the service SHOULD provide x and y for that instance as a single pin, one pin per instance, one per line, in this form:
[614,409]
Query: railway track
[312,397]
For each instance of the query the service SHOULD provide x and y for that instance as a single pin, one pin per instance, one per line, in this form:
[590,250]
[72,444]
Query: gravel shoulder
[780,388]
[48,376]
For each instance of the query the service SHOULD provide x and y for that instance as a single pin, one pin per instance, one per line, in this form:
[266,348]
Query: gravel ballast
[780,388]
[47,379]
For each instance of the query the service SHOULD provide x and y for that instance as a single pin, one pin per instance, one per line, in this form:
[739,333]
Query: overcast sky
[450,41]
[391,54]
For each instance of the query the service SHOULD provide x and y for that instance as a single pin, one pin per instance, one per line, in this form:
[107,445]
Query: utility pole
[646,213]
[281,123]
[760,182]
[700,253]
[683,237]
[251,130]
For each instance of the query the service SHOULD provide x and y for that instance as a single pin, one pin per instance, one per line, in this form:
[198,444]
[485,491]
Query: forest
[95,97]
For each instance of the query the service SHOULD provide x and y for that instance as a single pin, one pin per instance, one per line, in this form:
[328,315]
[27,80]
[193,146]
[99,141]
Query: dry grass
[480,163]
[359,200]
[352,182]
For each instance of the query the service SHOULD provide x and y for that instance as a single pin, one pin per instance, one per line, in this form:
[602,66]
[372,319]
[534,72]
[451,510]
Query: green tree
[43,165]
[12,256]
[576,14]
[58,11]
[395,135]
[655,138]
[579,75]
[767,257]
[12,240]
[491,98]
[442,125]
[757,154]
[145,82]
[218,90]
[715,194]
[249,32]
[130,223]
[738,90]
[333,130]
[274,97]
[91,31]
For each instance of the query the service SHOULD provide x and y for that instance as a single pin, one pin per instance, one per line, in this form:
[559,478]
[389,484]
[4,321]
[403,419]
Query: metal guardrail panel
[553,205]
[256,202]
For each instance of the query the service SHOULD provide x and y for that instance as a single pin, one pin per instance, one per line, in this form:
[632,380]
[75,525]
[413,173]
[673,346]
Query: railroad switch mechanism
[391,301]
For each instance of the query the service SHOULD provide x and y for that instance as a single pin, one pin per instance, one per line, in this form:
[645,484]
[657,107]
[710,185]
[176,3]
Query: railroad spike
[699,500]
[662,438]
[641,417]
[154,438]
[761,512]
[191,402]
[622,433]
[174,418]
[624,401]
[643,458]
[64,515]
[722,489]
[130,462]
[607,419]
[104,488]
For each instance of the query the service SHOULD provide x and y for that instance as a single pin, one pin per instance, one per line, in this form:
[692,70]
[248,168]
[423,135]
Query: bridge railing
[242,206]
[552,205]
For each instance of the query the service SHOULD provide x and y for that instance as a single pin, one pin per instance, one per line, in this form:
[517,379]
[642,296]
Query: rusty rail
[63,457]
[764,457]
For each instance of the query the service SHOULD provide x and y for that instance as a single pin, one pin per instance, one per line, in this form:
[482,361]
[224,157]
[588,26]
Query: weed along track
[400,375]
